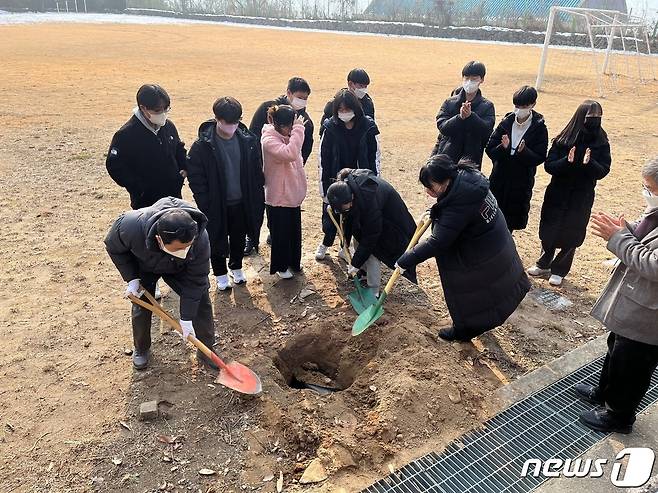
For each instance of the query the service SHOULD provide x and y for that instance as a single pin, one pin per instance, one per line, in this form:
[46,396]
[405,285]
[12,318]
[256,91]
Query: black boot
[249,247]
[450,335]
[589,393]
[601,419]
[203,359]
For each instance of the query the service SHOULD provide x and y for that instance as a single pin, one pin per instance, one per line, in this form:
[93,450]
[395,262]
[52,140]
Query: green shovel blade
[369,316]
[361,298]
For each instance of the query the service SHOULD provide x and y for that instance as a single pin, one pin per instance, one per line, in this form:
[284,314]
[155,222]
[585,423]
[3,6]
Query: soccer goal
[595,52]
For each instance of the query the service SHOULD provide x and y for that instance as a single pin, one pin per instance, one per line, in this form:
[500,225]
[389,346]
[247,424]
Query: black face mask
[592,124]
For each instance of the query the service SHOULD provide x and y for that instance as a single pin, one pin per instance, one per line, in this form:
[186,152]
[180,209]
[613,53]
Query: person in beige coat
[628,307]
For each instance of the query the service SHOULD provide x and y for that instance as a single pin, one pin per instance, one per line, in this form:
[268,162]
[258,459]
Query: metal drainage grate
[544,425]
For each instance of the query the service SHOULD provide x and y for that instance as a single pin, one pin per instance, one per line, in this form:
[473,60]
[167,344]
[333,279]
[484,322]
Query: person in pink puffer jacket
[285,187]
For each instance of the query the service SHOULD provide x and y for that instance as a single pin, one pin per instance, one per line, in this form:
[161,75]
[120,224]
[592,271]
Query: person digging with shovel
[168,240]
[376,216]
[481,273]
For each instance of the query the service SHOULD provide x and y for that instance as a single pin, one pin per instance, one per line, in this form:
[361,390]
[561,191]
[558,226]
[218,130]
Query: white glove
[134,289]
[188,329]
[352,271]
[402,271]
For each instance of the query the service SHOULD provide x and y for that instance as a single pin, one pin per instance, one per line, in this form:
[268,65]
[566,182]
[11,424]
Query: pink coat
[283,167]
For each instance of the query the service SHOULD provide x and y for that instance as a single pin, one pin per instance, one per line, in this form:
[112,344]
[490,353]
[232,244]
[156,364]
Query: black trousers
[560,264]
[236,226]
[328,227]
[626,375]
[141,317]
[286,231]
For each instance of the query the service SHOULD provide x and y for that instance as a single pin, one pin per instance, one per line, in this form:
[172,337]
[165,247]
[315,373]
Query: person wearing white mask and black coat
[350,140]
[146,155]
[579,157]
[168,240]
[358,81]
[516,148]
[628,307]
[226,177]
[481,273]
[466,119]
[297,94]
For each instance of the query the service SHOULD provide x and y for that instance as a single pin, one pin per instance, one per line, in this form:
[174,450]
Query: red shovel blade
[238,377]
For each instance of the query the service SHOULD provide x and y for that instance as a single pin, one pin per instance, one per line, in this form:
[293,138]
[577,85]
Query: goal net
[595,52]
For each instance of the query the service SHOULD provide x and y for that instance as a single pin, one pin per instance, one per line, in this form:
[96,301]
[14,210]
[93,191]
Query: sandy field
[69,397]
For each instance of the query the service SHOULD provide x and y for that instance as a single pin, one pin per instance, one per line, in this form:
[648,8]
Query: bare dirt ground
[69,397]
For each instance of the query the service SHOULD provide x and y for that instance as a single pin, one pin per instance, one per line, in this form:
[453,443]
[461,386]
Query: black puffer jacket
[482,275]
[513,175]
[379,220]
[207,179]
[147,165]
[464,138]
[333,149]
[133,248]
[570,194]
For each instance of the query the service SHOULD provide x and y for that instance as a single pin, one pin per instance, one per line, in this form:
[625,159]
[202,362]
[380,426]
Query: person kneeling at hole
[376,216]
[168,240]
[481,272]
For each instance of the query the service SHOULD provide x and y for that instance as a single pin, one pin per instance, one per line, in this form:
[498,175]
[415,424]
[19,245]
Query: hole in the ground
[319,362]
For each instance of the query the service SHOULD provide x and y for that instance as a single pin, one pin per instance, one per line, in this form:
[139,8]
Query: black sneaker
[140,359]
[201,358]
[249,247]
[589,393]
[448,334]
[601,419]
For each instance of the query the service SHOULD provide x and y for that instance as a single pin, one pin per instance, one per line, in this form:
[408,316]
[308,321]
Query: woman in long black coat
[578,158]
[516,148]
[481,272]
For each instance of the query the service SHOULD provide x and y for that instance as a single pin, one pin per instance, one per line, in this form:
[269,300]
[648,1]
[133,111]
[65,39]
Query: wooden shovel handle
[158,310]
[339,228]
[420,229]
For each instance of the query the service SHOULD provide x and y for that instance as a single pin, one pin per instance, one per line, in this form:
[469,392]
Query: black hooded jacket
[134,250]
[206,175]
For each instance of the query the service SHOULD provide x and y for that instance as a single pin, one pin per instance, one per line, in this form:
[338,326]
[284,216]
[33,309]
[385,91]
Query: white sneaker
[237,276]
[538,271]
[222,283]
[555,280]
[286,274]
[321,252]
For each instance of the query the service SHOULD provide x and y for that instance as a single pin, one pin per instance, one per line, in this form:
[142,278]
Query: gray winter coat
[133,248]
[628,305]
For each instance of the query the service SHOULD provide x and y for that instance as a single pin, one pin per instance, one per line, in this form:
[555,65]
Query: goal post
[605,50]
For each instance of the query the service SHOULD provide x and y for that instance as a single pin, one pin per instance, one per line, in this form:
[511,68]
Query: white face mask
[346,116]
[178,253]
[470,86]
[522,113]
[650,199]
[158,119]
[228,128]
[360,92]
[298,103]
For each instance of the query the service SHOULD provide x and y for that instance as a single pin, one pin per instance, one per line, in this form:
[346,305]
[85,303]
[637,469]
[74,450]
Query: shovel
[361,298]
[233,375]
[375,311]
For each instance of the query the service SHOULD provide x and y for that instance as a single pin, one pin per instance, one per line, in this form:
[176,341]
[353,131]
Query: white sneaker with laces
[222,283]
[538,271]
[237,276]
[285,274]
[321,252]
[555,280]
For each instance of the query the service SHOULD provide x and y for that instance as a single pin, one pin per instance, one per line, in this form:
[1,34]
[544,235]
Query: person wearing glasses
[146,155]
[168,240]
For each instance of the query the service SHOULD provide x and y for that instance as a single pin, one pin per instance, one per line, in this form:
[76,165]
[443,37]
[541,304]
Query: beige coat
[628,305]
